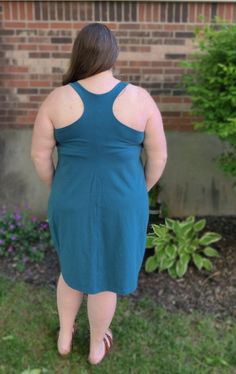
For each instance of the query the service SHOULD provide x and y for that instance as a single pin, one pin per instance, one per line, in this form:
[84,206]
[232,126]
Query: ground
[209,292]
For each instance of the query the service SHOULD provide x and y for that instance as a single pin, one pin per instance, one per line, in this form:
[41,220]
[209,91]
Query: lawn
[147,339]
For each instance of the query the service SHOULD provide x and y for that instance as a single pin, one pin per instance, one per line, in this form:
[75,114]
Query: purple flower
[34,219]
[10,249]
[44,225]
[17,216]
[13,237]
[2,241]
[12,227]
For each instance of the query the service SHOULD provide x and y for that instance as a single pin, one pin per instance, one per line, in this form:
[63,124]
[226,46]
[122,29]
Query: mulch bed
[209,292]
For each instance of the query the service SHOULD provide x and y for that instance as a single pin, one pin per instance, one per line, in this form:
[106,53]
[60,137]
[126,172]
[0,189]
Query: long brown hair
[94,50]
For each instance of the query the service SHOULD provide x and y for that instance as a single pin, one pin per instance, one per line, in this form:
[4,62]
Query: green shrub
[23,237]
[153,195]
[177,243]
[211,83]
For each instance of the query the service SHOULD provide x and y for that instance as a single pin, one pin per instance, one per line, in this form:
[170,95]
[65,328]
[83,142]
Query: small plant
[177,243]
[154,199]
[153,195]
[23,237]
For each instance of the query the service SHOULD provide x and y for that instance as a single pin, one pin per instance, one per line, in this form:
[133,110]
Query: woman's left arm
[43,143]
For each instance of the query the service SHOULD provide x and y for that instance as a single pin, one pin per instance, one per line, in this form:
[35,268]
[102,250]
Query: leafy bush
[177,243]
[211,83]
[23,237]
[153,195]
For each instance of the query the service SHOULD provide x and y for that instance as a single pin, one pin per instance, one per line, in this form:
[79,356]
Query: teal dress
[98,205]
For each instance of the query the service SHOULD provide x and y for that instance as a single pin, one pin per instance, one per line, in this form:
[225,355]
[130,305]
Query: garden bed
[210,292]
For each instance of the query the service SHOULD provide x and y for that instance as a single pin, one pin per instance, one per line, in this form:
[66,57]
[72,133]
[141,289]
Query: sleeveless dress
[98,205]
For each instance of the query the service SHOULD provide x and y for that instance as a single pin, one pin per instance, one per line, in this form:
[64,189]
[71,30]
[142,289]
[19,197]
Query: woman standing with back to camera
[98,204]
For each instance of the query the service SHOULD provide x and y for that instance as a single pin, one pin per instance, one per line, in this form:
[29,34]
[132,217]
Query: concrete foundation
[191,182]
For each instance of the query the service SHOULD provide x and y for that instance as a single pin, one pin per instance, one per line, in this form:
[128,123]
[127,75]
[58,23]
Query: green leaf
[171,251]
[150,241]
[207,264]
[166,262]
[156,229]
[209,237]
[211,252]
[185,257]
[198,260]
[190,219]
[151,264]
[169,223]
[181,267]
[172,272]
[198,226]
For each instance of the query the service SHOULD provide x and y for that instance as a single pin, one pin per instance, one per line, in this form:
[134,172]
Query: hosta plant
[178,243]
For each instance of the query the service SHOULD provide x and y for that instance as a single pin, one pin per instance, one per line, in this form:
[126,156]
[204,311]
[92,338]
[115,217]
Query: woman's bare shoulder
[142,96]
[55,98]
[140,91]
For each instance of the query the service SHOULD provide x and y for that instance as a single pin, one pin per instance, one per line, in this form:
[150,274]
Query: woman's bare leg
[68,304]
[101,308]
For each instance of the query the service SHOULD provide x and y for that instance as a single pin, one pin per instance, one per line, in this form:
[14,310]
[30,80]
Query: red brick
[152,26]
[156,11]
[66,48]
[28,47]
[171,99]
[152,71]
[29,9]
[22,9]
[14,9]
[228,11]
[34,87]
[140,63]
[48,47]
[15,25]
[129,26]
[14,69]
[221,10]
[207,9]
[40,83]
[17,83]
[6,10]
[38,25]
[174,26]
[141,12]
[148,12]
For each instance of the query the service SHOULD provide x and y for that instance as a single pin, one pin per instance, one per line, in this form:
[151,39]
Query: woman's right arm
[155,146]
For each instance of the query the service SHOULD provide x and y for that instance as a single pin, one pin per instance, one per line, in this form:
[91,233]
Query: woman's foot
[98,353]
[65,341]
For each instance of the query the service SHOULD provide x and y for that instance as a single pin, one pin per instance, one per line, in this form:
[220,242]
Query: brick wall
[36,40]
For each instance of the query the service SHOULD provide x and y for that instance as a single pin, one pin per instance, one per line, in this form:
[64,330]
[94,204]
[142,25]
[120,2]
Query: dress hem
[123,293]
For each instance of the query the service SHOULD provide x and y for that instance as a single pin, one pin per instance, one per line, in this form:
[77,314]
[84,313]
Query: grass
[147,339]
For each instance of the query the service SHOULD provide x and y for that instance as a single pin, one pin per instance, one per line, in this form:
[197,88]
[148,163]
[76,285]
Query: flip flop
[107,347]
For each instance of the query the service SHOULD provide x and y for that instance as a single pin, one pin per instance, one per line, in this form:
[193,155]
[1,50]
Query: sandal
[71,344]
[107,347]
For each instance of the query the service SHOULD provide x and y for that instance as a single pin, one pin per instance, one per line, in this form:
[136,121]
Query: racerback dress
[98,206]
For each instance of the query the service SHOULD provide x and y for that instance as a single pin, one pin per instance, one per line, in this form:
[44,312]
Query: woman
[98,205]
